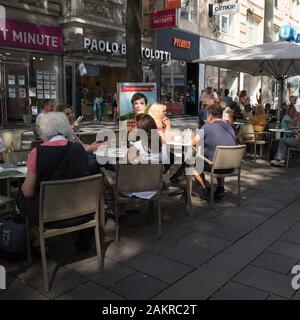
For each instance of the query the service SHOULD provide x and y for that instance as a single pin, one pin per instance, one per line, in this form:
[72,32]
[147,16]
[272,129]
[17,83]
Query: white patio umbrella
[279,60]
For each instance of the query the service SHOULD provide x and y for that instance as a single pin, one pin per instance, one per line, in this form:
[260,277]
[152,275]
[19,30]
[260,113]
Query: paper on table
[21,170]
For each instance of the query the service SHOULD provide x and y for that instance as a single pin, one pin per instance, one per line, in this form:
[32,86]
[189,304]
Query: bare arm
[89,147]
[28,187]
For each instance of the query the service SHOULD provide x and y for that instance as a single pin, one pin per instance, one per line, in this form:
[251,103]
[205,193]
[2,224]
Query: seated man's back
[217,133]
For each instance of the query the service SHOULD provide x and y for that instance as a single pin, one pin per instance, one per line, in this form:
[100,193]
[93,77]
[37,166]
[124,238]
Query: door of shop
[15,104]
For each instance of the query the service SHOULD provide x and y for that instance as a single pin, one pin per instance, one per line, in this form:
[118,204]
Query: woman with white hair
[159,113]
[56,159]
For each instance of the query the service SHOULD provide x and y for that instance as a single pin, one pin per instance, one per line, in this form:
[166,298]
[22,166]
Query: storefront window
[43,84]
[189,10]
[173,85]
[27,79]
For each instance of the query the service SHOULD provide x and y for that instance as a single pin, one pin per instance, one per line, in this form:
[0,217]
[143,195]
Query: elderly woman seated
[56,159]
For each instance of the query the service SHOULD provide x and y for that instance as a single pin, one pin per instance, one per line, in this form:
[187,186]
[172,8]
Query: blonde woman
[159,113]
[259,120]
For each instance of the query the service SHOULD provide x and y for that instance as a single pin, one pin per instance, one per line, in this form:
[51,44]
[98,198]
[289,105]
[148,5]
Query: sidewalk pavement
[226,252]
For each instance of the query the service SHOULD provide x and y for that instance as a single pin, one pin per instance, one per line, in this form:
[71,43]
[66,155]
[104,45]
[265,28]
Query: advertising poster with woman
[135,98]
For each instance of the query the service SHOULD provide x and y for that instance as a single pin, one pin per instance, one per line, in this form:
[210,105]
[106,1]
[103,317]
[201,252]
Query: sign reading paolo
[30,36]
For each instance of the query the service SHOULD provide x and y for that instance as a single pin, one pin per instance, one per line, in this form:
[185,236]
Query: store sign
[224,8]
[156,54]
[104,46]
[172,4]
[31,36]
[288,33]
[181,43]
[163,19]
[120,49]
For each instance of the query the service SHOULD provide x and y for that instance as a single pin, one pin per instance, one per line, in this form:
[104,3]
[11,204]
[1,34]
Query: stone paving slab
[90,291]
[236,291]
[268,281]
[112,274]
[275,262]
[291,236]
[286,249]
[139,286]
[186,254]
[206,242]
[159,267]
[229,233]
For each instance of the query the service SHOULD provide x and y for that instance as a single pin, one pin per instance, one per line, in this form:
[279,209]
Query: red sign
[181,43]
[163,19]
[137,88]
[31,36]
[172,4]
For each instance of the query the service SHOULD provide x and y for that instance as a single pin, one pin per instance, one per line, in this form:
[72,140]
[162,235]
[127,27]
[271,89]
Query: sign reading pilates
[31,36]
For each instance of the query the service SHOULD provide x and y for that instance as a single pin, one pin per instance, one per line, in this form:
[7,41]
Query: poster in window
[32,92]
[53,94]
[22,93]
[39,75]
[11,79]
[47,94]
[53,76]
[12,93]
[40,94]
[40,87]
[46,75]
[53,87]
[21,80]
[46,86]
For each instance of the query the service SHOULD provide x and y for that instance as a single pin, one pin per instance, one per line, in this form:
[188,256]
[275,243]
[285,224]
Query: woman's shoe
[203,194]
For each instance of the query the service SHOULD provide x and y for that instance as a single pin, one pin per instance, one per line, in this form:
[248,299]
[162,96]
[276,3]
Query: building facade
[68,49]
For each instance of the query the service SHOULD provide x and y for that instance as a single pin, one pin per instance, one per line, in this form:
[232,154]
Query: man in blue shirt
[216,133]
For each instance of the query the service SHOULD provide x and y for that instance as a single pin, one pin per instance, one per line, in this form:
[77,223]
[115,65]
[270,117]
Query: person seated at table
[284,144]
[228,117]
[56,159]
[290,119]
[47,106]
[216,133]
[94,167]
[247,113]
[259,120]
[236,110]
[159,113]
[142,151]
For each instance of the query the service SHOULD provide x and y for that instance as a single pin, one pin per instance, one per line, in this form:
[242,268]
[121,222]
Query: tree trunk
[134,70]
